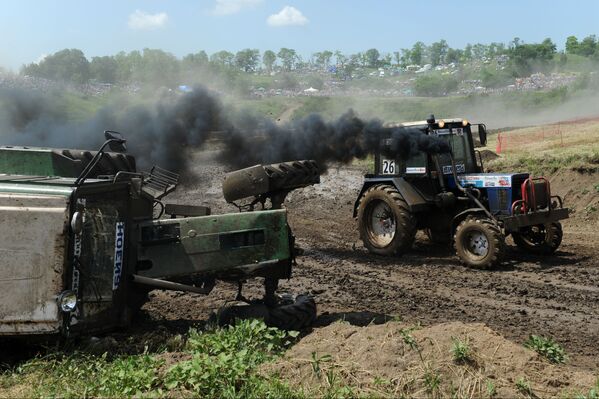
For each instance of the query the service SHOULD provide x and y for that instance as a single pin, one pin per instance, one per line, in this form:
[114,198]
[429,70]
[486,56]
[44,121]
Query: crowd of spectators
[15,81]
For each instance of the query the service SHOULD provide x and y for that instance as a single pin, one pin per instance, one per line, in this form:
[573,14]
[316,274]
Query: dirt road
[552,296]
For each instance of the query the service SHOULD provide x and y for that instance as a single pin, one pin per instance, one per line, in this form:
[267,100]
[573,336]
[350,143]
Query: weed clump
[546,347]
[461,351]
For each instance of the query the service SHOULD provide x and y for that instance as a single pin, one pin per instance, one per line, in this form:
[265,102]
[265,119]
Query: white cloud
[226,7]
[288,16]
[141,20]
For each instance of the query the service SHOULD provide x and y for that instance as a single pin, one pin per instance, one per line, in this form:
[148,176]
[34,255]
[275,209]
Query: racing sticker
[77,254]
[459,168]
[119,246]
[415,169]
[484,181]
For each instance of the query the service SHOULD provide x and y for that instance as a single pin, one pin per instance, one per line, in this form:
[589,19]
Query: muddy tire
[296,315]
[479,242]
[386,225]
[228,315]
[540,239]
[110,164]
[293,174]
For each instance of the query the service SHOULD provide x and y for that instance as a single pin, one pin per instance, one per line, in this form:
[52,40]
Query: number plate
[388,167]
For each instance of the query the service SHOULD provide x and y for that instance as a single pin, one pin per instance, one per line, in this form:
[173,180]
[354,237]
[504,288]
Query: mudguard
[413,198]
[457,219]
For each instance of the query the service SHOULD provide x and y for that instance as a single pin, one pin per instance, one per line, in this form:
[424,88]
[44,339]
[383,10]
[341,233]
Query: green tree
[406,56]
[323,58]
[340,58]
[223,58]
[438,51]
[386,60]
[479,51]
[268,59]
[588,46]
[199,59]
[372,57]
[529,57]
[417,53]
[104,69]
[127,65]
[158,68]
[247,59]
[288,58]
[68,65]
[572,45]
[467,56]
[454,55]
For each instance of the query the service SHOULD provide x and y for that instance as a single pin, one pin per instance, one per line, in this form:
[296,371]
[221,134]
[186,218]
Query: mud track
[552,296]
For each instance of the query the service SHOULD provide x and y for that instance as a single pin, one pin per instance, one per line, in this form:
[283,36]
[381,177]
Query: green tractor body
[79,254]
[449,196]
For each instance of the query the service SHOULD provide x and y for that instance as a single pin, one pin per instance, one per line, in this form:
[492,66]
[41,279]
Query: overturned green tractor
[85,236]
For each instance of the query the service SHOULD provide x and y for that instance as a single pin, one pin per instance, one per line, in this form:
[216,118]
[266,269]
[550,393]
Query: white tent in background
[311,90]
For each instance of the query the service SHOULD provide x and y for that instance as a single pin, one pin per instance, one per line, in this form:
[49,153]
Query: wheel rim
[534,235]
[477,244]
[381,223]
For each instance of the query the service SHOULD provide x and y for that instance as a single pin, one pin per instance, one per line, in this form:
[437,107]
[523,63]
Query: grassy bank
[548,149]
[218,363]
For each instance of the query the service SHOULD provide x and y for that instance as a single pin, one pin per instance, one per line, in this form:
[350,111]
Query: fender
[457,219]
[415,200]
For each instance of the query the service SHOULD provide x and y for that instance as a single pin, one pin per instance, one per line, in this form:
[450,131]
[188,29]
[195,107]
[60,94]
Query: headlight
[441,124]
[67,300]
[77,222]
[465,122]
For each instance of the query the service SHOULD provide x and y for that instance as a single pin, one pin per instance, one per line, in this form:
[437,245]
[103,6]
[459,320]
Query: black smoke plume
[164,133]
[343,140]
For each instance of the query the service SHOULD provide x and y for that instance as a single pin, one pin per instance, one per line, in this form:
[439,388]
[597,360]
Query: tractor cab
[456,132]
[442,189]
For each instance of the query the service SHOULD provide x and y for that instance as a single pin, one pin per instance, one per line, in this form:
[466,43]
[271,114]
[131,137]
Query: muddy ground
[554,296]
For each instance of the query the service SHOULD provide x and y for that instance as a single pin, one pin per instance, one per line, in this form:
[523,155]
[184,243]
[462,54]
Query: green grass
[218,363]
[523,386]
[547,348]
[461,351]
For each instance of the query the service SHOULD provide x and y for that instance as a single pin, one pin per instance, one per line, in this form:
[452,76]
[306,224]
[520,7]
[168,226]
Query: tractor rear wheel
[540,239]
[295,314]
[479,242]
[386,225]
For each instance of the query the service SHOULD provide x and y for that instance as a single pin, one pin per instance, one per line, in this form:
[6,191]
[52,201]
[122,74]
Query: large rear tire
[479,242]
[295,173]
[386,225]
[540,239]
[294,315]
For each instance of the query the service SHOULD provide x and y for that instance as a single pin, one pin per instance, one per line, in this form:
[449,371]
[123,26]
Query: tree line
[158,66]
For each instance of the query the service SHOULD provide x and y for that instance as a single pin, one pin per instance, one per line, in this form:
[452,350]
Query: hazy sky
[30,29]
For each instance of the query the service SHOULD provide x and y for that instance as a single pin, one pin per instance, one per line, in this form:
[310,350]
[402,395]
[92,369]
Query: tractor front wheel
[479,242]
[540,239]
[386,225]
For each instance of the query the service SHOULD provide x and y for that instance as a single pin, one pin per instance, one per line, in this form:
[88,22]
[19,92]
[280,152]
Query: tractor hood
[489,180]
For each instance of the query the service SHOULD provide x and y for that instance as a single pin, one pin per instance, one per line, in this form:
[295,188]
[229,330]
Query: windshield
[460,148]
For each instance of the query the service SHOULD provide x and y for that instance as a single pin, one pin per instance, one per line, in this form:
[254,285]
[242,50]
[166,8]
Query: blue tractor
[449,196]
